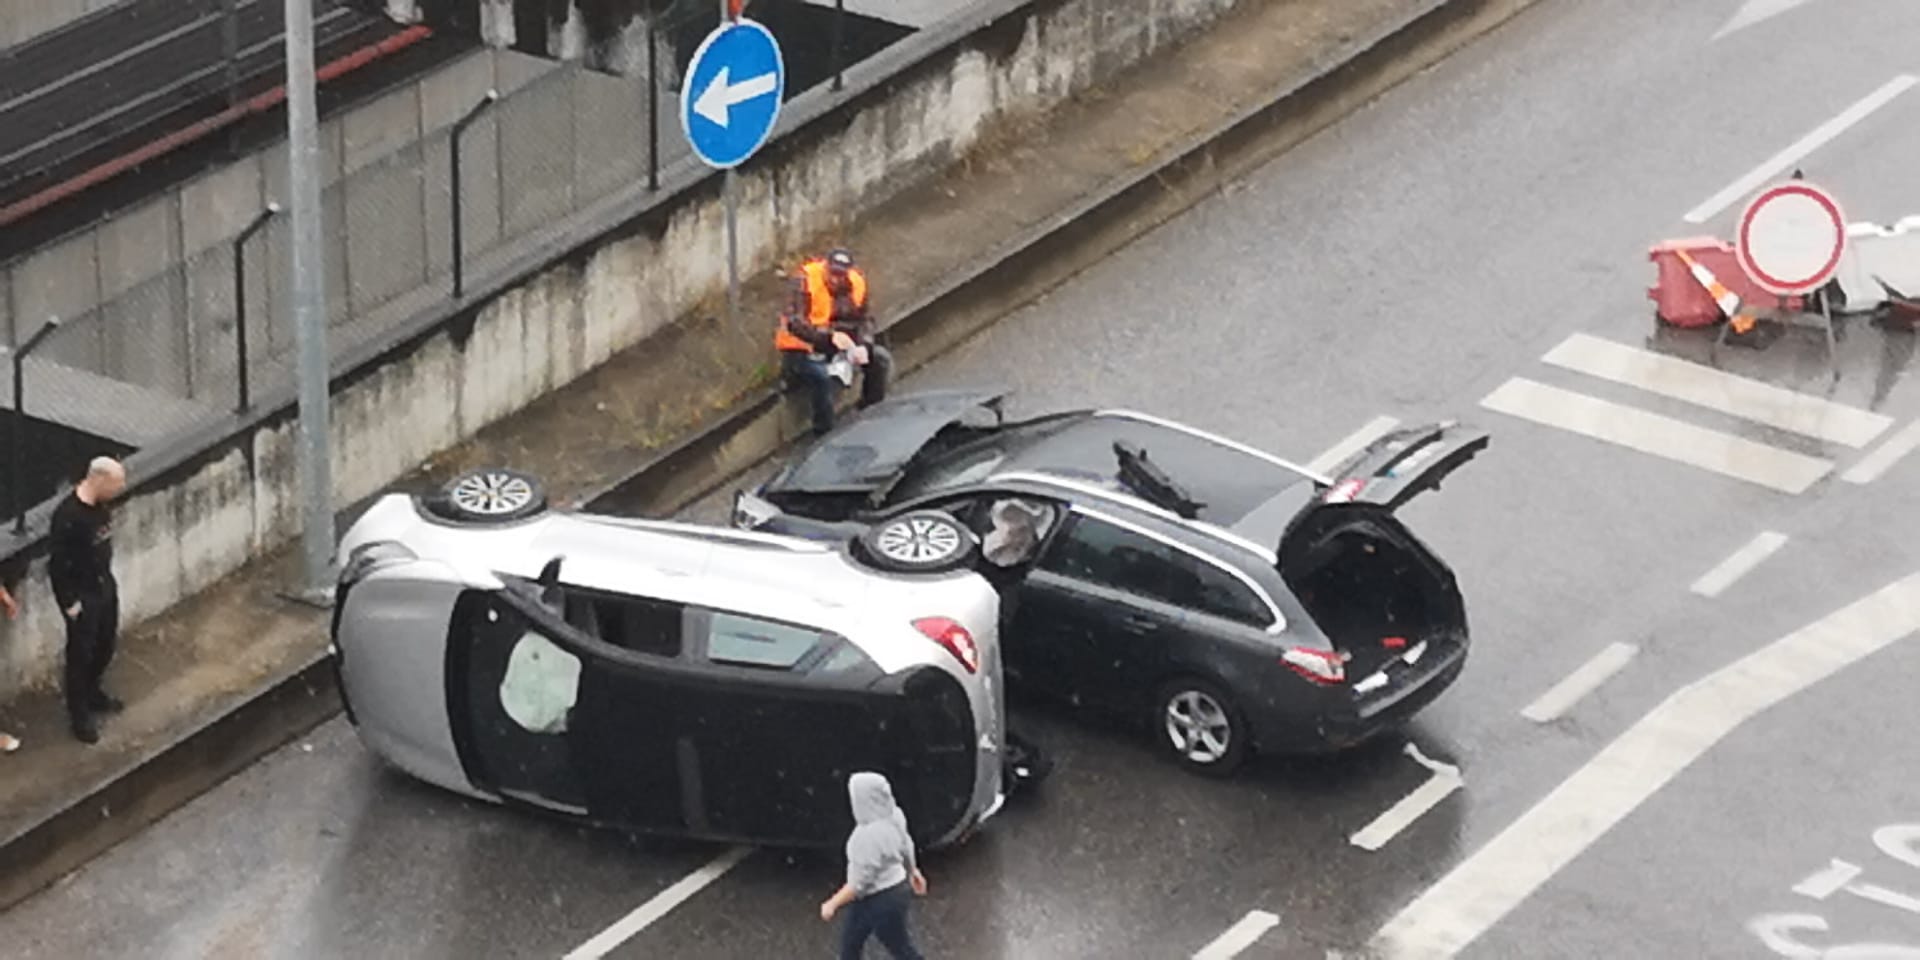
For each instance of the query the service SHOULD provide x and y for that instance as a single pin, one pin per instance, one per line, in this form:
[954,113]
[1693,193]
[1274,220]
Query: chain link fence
[205,331]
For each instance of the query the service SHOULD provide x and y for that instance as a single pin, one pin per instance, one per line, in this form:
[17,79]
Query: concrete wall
[22,20]
[193,523]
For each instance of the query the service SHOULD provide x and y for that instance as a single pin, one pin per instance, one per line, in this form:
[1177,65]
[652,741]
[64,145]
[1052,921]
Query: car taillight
[1320,666]
[1344,491]
[954,637]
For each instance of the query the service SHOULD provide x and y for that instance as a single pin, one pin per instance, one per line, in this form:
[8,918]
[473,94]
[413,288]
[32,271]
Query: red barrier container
[1680,300]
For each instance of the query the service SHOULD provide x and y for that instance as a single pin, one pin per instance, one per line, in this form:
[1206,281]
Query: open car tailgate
[1403,464]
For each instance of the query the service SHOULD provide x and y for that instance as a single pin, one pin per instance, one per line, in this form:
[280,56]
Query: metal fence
[209,332]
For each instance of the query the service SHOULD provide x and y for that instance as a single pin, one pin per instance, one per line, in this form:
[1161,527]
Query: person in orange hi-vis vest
[830,314]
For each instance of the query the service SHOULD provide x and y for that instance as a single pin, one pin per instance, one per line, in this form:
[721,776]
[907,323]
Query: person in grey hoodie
[881,866]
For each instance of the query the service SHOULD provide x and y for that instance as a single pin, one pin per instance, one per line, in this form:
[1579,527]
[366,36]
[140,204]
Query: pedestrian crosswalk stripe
[1663,436]
[1728,393]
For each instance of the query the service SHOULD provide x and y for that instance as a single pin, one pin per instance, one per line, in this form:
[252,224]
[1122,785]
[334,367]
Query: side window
[640,624]
[1108,554]
[754,642]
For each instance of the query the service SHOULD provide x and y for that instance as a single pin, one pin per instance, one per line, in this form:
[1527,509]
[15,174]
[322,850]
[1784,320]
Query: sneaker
[106,704]
[9,743]
[86,731]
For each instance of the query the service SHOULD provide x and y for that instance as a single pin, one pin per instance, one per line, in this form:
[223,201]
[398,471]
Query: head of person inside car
[1017,527]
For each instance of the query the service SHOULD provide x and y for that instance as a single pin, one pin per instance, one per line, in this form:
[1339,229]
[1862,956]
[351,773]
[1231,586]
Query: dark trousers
[882,915]
[811,375]
[91,640]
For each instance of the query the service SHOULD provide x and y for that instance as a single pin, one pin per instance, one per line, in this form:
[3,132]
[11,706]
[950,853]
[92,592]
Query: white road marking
[659,906]
[1738,564]
[1445,780]
[1719,390]
[1757,177]
[1755,11]
[1238,937]
[1353,443]
[1481,890]
[1870,467]
[1723,453]
[1588,678]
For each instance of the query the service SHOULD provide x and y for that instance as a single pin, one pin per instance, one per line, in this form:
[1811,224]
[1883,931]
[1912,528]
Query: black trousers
[92,638]
[812,376]
[882,915]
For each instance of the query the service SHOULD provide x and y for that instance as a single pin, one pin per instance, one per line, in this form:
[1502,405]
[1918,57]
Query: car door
[1105,613]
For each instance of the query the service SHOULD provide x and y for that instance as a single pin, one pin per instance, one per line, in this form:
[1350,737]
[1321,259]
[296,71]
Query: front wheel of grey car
[924,541]
[490,495]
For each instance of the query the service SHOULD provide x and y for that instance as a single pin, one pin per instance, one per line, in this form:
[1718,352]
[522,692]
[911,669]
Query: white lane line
[1799,149]
[1484,888]
[1353,443]
[659,906]
[1876,462]
[1663,436]
[1238,937]
[1738,564]
[1719,390]
[1588,678]
[1445,780]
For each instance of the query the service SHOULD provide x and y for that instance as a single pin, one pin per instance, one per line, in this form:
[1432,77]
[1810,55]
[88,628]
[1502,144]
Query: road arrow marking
[721,96]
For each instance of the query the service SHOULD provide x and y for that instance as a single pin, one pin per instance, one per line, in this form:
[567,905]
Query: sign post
[728,106]
[1790,241]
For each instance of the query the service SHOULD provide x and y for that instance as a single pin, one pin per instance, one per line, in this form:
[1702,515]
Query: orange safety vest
[819,302]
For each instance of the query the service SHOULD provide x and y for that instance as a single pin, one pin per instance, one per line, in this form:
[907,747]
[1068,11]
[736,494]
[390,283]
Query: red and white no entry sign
[1791,237]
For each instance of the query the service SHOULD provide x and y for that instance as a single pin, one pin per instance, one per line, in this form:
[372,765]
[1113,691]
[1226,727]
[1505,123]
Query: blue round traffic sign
[731,97]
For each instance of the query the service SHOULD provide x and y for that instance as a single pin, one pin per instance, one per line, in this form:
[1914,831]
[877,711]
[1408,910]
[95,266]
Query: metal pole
[733,250]
[839,41]
[653,100]
[230,46]
[17,492]
[309,294]
[459,214]
[245,401]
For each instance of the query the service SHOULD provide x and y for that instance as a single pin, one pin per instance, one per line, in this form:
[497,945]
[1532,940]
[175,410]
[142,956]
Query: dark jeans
[884,915]
[812,376]
[91,639]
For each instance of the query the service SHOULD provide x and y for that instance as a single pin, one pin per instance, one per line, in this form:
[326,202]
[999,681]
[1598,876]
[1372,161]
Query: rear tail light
[1324,667]
[1344,491]
[952,636]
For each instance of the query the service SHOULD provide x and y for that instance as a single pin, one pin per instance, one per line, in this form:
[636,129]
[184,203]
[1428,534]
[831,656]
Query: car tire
[1200,727]
[490,495]
[924,541]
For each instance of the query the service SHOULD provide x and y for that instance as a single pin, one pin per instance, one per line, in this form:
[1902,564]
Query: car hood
[869,452]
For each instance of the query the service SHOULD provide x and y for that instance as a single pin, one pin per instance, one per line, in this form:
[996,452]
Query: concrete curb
[960,305]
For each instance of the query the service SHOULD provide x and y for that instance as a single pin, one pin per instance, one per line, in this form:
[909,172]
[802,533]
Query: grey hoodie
[879,851]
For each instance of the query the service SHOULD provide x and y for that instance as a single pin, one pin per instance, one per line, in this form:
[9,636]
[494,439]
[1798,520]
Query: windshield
[963,456]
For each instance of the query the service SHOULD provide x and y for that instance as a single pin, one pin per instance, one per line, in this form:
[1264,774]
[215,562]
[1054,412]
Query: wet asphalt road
[1406,263]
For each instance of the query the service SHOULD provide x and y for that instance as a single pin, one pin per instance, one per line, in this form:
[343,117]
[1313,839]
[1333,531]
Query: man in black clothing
[81,567]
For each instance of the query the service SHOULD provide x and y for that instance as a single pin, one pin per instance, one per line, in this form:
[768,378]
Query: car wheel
[491,495]
[1198,724]
[925,541]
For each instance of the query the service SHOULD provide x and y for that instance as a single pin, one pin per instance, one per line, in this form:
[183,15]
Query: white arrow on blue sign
[732,93]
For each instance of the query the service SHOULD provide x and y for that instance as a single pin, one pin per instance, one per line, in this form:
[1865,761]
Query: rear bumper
[1339,721]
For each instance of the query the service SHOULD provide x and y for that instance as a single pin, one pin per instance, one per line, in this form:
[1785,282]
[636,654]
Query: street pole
[309,294]
[730,12]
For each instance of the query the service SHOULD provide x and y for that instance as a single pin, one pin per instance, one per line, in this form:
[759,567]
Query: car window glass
[1108,554]
[751,641]
[641,624]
